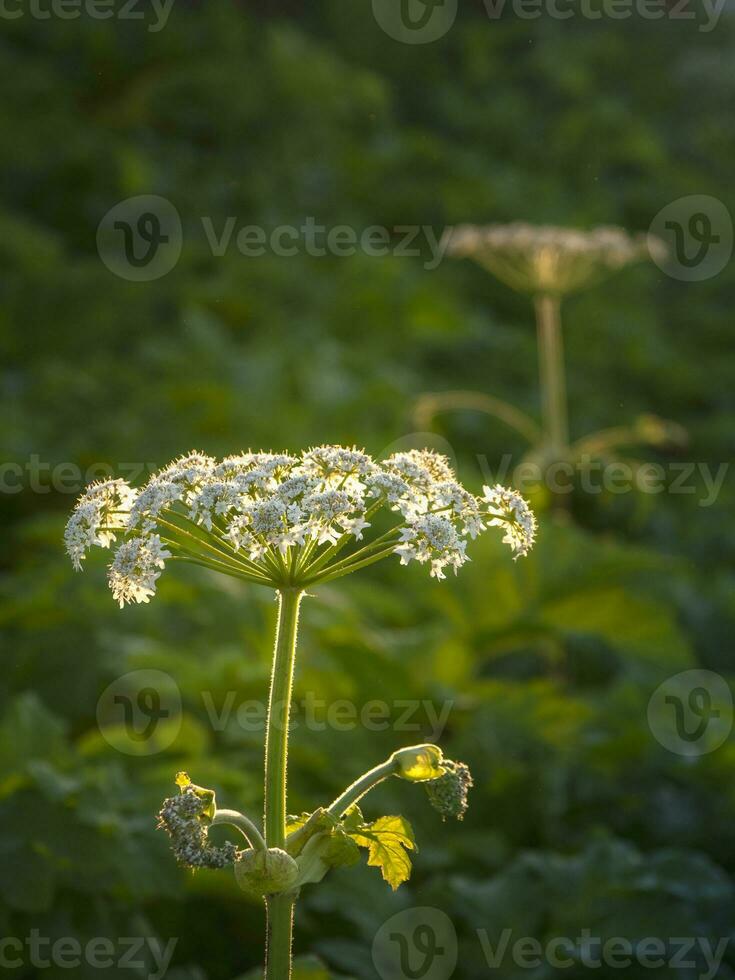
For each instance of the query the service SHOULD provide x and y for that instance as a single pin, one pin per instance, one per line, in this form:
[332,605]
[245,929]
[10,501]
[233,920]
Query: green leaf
[353,818]
[325,850]
[300,830]
[28,731]
[27,879]
[294,823]
[340,850]
[307,967]
[388,839]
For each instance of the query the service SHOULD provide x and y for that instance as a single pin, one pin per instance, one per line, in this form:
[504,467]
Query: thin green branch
[360,787]
[245,825]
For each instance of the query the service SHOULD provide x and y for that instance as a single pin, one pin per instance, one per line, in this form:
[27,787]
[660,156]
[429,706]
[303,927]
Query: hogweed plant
[291,523]
[549,263]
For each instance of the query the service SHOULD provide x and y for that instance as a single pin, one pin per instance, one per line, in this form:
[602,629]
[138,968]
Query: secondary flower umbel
[545,259]
[289,521]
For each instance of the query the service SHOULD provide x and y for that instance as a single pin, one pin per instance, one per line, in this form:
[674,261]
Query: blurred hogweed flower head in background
[280,520]
[549,260]
[548,263]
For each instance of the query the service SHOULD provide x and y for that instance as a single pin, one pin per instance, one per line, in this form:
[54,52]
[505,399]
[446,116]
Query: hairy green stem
[280,907]
[360,787]
[280,930]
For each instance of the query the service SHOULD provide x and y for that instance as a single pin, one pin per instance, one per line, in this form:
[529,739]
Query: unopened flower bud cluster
[180,816]
[448,793]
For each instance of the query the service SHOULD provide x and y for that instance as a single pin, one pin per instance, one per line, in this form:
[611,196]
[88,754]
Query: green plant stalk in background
[548,263]
[280,907]
[552,377]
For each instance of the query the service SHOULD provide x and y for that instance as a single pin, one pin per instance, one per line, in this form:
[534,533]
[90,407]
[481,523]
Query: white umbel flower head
[280,520]
[135,569]
[541,259]
[509,510]
[102,510]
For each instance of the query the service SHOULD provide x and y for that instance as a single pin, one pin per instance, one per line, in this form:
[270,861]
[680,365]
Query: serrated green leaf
[388,840]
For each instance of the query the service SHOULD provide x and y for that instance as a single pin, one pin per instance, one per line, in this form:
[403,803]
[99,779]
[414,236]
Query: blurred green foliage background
[273,113]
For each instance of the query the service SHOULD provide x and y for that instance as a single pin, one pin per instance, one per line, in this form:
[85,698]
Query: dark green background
[273,112]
